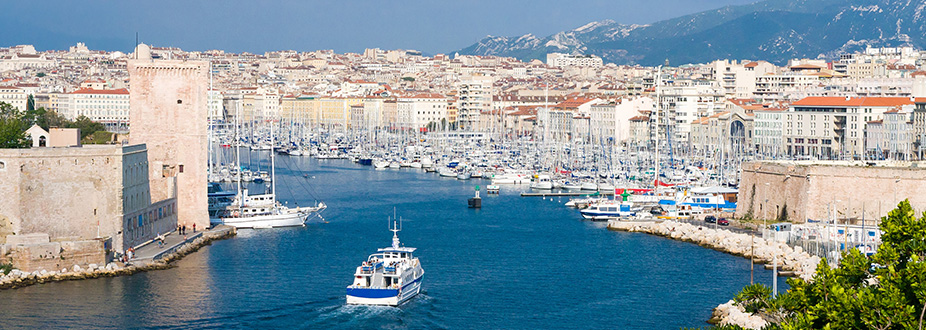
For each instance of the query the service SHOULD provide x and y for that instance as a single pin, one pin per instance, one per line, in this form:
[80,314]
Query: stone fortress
[80,205]
[802,191]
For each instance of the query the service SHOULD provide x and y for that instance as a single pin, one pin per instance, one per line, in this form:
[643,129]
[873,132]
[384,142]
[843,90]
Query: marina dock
[565,194]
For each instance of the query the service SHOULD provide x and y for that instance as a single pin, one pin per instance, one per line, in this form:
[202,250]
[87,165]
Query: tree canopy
[13,126]
[14,123]
[884,291]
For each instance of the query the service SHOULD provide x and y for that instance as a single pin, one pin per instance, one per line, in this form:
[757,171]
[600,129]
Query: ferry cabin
[385,269]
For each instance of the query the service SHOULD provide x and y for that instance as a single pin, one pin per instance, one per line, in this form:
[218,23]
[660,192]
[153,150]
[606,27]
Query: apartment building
[834,127]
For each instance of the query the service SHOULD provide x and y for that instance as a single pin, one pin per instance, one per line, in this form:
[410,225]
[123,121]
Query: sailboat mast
[273,168]
[237,144]
[658,106]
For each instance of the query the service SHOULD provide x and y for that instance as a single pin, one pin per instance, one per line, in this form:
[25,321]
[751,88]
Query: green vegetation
[13,126]
[884,291]
[14,123]
[6,268]
[87,127]
[99,137]
[40,74]
[408,78]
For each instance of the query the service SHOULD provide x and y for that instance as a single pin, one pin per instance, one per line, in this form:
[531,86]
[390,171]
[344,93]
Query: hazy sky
[342,25]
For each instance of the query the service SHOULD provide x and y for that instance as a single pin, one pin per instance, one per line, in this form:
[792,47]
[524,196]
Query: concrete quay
[149,257]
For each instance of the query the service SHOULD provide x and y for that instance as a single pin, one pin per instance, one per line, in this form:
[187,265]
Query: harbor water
[516,263]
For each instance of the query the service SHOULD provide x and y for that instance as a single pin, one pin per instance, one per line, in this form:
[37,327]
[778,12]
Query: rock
[76,268]
[93,266]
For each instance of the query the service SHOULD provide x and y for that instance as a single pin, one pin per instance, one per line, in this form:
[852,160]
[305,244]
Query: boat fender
[235,214]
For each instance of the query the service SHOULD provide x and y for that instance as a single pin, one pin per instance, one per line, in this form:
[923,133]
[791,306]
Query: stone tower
[168,101]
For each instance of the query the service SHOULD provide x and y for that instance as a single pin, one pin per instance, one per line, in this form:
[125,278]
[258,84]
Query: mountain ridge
[772,30]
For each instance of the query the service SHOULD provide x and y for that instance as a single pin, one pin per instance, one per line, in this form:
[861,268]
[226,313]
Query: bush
[6,268]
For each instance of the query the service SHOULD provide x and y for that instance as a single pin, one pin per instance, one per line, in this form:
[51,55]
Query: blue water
[518,263]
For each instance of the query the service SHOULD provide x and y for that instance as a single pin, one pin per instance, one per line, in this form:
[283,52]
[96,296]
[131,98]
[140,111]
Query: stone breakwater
[792,261]
[18,279]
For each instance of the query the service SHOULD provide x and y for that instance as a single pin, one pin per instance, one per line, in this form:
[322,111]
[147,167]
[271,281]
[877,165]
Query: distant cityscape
[867,105]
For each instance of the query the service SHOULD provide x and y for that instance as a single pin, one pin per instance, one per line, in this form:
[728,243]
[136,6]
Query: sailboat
[262,211]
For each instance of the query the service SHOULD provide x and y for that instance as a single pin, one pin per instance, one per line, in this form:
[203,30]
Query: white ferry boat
[389,277]
[608,209]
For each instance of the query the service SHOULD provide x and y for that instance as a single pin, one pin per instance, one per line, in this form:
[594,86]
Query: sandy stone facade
[814,190]
[169,106]
[77,204]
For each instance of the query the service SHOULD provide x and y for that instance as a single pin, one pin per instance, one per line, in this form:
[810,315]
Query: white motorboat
[571,185]
[389,277]
[543,182]
[608,209]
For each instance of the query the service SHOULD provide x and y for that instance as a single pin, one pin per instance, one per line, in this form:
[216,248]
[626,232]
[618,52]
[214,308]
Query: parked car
[723,222]
[710,219]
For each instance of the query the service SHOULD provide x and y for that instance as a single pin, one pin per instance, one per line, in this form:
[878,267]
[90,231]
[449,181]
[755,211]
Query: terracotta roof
[830,101]
[806,66]
[639,118]
[751,65]
[121,91]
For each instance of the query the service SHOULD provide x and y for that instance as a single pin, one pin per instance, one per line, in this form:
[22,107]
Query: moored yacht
[608,209]
[389,277]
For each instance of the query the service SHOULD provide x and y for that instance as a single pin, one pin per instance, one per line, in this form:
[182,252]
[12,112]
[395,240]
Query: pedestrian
[194,228]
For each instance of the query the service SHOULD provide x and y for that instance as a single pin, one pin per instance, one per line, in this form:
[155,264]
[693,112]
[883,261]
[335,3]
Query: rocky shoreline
[792,261]
[19,279]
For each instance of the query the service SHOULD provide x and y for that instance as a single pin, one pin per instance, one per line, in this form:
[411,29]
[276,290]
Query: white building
[834,127]
[684,101]
[15,96]
[738,80]
[767,132]
[776,87]
[610,123]
[567,60]
[109,107]
[475,97]
[417,111]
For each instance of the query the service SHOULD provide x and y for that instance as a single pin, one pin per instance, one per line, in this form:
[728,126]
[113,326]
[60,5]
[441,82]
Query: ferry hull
[383,297]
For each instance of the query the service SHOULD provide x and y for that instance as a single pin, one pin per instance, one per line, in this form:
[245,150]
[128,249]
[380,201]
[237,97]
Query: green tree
[87,127]
[884,291]
[30,103]
[13,127]
[47,119]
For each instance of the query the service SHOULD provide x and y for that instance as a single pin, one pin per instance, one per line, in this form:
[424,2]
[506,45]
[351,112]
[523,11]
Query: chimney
[848,98]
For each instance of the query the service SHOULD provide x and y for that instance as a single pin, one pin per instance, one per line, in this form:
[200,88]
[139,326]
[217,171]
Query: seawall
[18,279]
